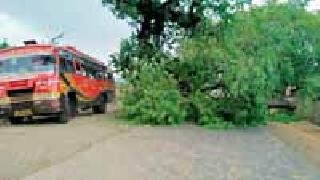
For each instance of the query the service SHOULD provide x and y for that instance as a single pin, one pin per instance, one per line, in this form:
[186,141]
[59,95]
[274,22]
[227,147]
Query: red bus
[49,80]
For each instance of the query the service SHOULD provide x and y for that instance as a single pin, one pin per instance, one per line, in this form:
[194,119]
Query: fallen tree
[227,72]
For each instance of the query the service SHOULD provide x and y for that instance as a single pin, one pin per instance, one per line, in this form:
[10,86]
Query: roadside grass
[283,117]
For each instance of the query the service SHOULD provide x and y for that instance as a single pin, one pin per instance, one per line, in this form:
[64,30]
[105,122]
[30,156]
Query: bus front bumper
[30,108]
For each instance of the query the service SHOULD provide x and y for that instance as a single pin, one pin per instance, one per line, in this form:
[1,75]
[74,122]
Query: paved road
[94,147]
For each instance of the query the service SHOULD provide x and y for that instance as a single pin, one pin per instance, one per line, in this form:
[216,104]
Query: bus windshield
[27,64]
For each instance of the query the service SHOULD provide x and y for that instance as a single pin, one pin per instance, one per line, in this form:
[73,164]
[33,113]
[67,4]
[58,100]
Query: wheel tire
[73,108]
[64,115]
[100,109]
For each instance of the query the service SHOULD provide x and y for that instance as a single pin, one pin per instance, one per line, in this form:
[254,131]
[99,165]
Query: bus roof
[79,53]
[41,49]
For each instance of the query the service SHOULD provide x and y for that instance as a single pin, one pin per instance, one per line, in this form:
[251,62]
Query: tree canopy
[154,18]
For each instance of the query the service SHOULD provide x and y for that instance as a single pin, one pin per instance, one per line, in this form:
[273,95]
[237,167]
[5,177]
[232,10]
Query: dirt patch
[302,136]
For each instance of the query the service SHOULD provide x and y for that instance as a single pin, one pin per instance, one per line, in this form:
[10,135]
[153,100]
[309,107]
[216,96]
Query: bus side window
[110,76]
[98,71]
[69,67]
[66,62]
[100,75]
[83,70]
[78,67]
[92,73]
[62,64]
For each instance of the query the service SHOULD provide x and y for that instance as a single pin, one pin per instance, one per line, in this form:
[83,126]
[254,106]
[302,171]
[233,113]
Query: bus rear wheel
[100,109]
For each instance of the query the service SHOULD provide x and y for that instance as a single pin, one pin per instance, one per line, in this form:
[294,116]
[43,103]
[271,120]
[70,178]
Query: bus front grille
[20,95]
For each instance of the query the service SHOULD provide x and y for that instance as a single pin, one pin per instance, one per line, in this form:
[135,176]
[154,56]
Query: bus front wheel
[64,115]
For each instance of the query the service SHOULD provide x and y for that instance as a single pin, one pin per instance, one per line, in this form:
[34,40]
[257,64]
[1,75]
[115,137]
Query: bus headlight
[4,101]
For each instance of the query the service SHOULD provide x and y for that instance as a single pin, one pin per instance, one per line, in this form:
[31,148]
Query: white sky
[313,4]
[87,25]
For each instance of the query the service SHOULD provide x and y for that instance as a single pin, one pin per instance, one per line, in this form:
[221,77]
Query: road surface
[99,148]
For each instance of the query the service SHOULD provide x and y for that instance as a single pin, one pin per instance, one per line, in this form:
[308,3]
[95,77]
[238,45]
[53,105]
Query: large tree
[160,23]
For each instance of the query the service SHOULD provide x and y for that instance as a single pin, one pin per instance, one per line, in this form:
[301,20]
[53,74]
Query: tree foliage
[154,16]
[159,23]
[154,99]
[260,53]
[4,44]
[225,72]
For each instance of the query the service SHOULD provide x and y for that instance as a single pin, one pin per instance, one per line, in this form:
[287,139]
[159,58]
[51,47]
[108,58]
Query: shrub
[153,98]
[307,96]
[284,117]
[207,109]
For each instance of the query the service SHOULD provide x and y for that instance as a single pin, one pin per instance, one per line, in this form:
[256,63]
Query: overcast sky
[87,25]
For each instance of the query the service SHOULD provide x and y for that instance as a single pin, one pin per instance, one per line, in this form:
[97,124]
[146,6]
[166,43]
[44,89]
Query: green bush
[206,109]
[307,96]
[284,117]
[259,53]
[153,98]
